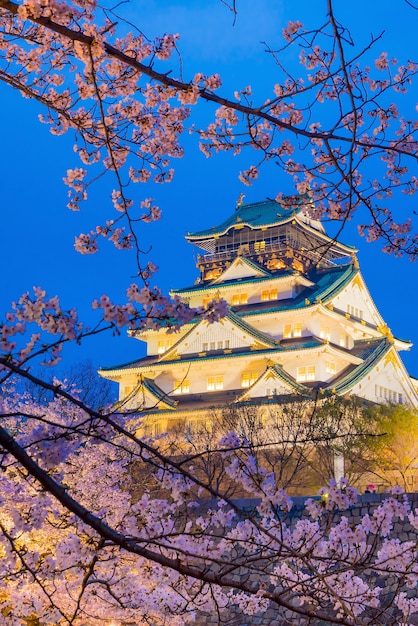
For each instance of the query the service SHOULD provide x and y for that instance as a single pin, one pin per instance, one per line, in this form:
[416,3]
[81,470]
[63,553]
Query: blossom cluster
[57,562]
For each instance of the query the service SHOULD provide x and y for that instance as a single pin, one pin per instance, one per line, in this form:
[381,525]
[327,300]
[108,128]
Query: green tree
[393,448]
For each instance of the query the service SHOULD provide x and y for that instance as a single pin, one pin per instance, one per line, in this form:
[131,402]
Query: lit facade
[301,324]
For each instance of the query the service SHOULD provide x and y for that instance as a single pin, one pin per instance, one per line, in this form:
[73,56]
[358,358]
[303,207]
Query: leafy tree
[75,544]
[345,428]
[393,450]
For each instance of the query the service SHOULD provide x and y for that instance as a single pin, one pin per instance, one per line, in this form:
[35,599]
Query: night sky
[37,231]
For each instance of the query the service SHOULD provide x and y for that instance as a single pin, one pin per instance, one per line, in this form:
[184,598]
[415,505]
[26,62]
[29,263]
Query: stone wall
[366,504]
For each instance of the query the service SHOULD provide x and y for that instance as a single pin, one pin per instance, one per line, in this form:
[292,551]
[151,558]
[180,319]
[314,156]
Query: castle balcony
[247,250]
[274,256]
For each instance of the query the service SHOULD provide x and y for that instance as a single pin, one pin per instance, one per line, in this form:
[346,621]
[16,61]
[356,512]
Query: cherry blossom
[97,524]
[63,528]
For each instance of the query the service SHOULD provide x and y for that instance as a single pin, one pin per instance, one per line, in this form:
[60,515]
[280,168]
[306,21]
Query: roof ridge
[281,372]
[156,391]
[350,379]
[236,319]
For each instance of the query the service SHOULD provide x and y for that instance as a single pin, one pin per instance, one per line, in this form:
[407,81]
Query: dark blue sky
[37,233]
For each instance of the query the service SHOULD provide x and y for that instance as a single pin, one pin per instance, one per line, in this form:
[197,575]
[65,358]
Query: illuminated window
[269,294]
[324,333]
[330,367]
[215,383]
[226,344]
[204,347]
[310,375]
[287,332]
[239,298]
[164,345]
[265,295]
[292,330]
[206,302]
[181,386]
[344,340]
[297,330]
[259,246]
[248,379]
[219,382]
[212,345]
[306,373]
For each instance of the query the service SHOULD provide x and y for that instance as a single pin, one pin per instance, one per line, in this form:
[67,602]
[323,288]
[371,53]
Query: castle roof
[319,286]
[267,214]
[258,215]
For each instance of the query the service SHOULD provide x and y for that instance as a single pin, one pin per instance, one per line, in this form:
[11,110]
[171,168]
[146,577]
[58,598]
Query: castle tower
[301,324]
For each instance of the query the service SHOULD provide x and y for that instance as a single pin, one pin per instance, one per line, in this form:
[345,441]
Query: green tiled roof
[303,343]
[191,358]
[127,365]
[307,343]
[255,215]
[157,392]
[251,330]
[278,369]
[233,281]
[327,284]
[235,319]
[346,382]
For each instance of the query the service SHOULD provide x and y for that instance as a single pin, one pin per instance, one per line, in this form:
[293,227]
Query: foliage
[393,450]
[76,545]
[346,428]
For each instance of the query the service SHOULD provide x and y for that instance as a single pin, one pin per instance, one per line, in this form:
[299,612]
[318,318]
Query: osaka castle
[301,323]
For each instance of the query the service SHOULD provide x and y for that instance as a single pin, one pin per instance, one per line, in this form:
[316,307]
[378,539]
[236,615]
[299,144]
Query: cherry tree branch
[204,93]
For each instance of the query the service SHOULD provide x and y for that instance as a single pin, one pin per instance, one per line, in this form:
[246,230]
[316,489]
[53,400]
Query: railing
[251,251]
[242,249]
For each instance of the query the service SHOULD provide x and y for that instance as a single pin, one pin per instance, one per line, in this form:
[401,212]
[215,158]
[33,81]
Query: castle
[301,323]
